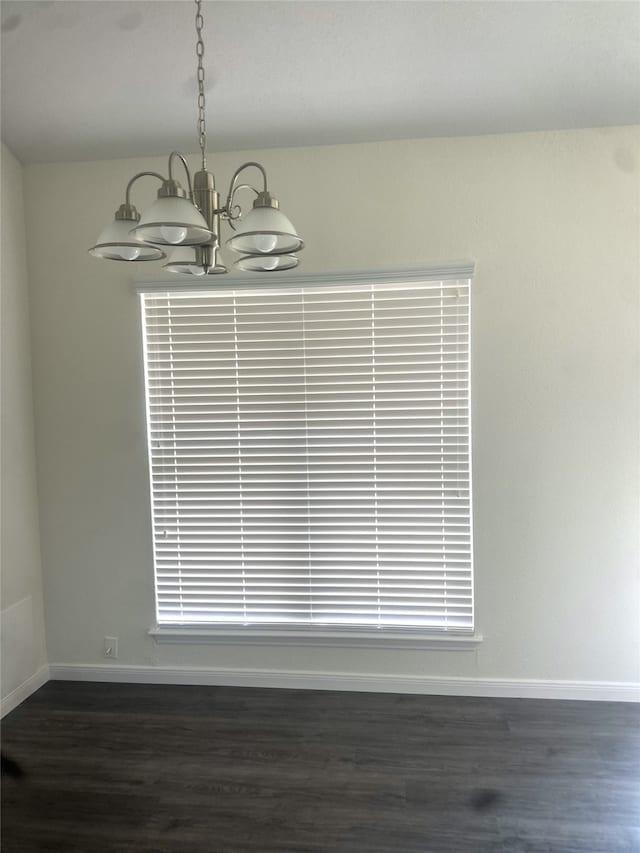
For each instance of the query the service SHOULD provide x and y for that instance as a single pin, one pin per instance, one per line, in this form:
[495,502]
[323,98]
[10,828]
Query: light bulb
[129,253]
[266,243]
[173,234]
[270,263]
[194,269]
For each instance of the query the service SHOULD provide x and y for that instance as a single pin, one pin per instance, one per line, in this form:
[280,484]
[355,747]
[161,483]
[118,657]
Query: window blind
[310,455]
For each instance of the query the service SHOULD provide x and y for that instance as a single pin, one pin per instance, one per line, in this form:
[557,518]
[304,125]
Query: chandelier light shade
[266,263]
[189,221]
[184,261]
[265,230]
[193,260]
[116,242]
[173,220]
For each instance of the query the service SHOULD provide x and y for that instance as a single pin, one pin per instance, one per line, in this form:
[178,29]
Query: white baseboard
[24,690]
[603,691]
[501,687]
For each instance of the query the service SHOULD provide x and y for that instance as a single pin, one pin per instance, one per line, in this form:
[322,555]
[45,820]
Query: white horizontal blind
[309,452]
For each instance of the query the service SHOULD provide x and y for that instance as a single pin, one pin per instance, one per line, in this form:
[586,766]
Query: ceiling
[93,80]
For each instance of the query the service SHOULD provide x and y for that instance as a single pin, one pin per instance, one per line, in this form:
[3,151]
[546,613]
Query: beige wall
[551,220]
[22,626]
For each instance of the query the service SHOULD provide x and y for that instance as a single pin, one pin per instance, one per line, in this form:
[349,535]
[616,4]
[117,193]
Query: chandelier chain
[202,124]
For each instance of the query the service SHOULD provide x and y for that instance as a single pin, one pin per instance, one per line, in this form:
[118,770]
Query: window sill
[379,638]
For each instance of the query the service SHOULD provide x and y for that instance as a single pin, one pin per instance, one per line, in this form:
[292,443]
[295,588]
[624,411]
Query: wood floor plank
[111,768]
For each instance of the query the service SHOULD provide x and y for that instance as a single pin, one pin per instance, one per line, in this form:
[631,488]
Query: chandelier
[188,221]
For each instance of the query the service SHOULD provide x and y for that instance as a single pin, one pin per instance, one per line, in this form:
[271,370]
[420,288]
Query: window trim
[441,639]
[463,269]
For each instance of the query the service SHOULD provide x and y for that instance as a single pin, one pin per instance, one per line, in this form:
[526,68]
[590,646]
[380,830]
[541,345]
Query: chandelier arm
[232,195]
[233,187]
[246,166]
[135,178]
[229,209]
[186,169]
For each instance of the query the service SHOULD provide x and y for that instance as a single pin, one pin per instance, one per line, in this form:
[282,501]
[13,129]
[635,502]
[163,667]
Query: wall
[22,634]
[551,220]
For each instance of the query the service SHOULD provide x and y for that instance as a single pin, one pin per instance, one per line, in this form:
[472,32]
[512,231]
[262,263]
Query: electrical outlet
[110,647]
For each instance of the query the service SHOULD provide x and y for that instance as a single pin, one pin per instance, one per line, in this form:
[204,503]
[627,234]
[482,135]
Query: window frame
[410,637]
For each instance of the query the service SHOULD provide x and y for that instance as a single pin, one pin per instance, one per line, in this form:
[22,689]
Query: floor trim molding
[499,687]
[24,690]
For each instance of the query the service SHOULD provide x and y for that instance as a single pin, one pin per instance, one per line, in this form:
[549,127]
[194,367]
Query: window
[309,455]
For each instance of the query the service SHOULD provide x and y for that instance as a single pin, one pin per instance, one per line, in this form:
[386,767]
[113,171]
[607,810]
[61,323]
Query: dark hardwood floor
[115,767]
